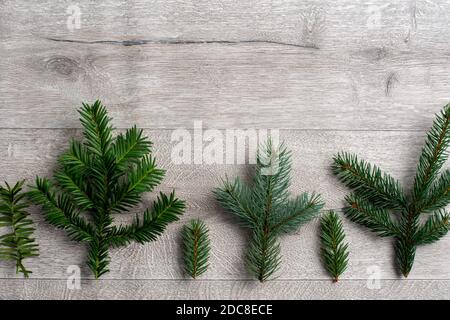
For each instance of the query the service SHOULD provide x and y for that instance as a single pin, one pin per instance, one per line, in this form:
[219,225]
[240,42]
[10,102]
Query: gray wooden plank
[341,26]
[211,289]
[225,86]
[25,153]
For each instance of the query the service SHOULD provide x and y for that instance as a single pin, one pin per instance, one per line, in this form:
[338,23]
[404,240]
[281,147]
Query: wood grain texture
[341,26]
[362,76]
[213,289]
[360,65]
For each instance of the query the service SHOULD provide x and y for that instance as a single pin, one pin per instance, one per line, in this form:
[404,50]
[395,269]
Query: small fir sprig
[334,248]
[266,208]
[102,176]
[379,202]
[196,248]
[18,244]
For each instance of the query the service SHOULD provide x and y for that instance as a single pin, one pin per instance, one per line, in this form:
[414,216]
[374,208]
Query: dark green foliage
[196,247]
[99,177]
[379,203]
[334,247]
[17,244]
[266,209]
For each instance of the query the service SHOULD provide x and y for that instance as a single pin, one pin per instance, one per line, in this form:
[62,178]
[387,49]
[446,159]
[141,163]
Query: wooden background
[363,76]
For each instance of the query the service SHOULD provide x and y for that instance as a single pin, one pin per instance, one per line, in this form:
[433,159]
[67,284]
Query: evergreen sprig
[379,202]
[99,177]
[334,248]
[266,208]
[17,244]
[196,248]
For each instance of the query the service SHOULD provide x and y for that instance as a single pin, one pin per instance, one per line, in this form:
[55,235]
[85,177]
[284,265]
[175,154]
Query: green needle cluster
[100,177]
[196,248]
[17,244]
[265,208]
[334,248]
[379,202]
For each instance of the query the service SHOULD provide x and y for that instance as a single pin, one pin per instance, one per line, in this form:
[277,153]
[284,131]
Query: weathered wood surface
[356,64]
[201,289]
[362,76]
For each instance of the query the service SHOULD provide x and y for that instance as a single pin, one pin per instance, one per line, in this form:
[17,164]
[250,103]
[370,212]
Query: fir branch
[145,176]
[334,249]
[97,128]
[60,211]
[77,160]
[131,147]
[376,219]
[196,247]
[165,210]
[434,228]
[377,196]
[122,198]
[368,182]
[263,256]
[405,250]
[236,198]
[296,212]
[77,187]
[265,207]
[98,257]
[434,153]
[438,195]
[17,244]
[101,176]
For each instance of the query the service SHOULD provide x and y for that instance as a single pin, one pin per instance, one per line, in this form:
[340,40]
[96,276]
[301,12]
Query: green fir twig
[334,248]
[102,176]
[266,208]
[17,244]
[379,202]
[196,248]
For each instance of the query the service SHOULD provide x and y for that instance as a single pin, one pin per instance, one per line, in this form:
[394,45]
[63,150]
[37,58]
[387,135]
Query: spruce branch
[196,247]
[101,176]
[365,213]
[236,198]
[434,154]
[264,253]
[130,146]
[17,244]
[295,213]
[266,209]
[434,228]
[166,209]
[60,211]
[368,182]
[438,195]
[334,248]
[379,203]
